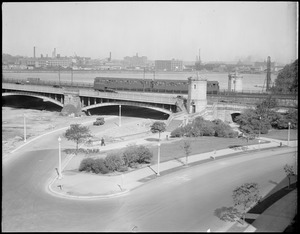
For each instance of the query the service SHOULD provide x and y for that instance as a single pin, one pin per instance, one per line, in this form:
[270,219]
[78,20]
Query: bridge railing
[130,96]
[258,92]
[32,88]
[48,83]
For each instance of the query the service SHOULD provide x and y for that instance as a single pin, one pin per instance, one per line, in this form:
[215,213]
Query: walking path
[89,186]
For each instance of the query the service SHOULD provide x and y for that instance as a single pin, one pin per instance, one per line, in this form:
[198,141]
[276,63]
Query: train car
[212,87]
[109,84]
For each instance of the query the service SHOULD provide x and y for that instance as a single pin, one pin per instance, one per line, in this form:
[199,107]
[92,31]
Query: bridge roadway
[90,97]
[127,96]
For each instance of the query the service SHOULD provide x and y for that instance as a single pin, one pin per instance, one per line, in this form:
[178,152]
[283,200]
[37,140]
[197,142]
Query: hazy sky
[224,31]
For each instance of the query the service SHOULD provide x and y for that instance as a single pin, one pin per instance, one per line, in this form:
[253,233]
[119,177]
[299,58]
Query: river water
[251,82]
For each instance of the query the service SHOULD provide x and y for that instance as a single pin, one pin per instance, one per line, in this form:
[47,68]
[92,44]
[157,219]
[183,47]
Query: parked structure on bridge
[235,82]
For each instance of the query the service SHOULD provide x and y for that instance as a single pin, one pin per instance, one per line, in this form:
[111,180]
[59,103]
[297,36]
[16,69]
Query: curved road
[181,201]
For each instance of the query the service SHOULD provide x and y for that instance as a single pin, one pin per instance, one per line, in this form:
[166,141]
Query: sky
[222,31]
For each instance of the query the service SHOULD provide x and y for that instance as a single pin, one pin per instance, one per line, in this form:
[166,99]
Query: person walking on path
[102,142]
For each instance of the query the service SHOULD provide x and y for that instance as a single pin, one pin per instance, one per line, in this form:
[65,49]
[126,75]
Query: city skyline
[223,31]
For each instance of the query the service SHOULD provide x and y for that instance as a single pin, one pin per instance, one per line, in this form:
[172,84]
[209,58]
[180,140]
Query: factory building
[135,61]
[168,65]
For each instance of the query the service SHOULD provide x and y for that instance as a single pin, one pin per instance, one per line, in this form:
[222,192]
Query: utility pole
[144,81]
[119,115]
[24,128]
[268,73]
[59,74]
[72,74]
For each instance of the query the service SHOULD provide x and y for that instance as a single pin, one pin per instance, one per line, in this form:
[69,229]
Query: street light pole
[24,128]
[259,132]
[158,156]
[59,159]
[119,115]
[289,134]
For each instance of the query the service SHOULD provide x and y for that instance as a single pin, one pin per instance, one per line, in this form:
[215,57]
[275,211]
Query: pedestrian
[102,142]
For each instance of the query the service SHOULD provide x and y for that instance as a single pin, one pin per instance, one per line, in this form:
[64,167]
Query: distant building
[262,66]
[168,65]
[135,61]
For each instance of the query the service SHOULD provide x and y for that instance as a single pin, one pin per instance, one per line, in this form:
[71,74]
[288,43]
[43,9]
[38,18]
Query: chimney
[34,52]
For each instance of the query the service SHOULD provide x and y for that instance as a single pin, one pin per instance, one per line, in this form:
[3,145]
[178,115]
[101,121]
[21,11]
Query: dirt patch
[37,122]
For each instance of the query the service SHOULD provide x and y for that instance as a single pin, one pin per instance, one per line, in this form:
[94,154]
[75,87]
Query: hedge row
[131,157]
[202,127]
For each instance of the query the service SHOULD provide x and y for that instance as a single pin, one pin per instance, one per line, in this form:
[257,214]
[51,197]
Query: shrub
[86,164]
[223,130]
[114,161]
[99,166]
[137,154]
[178,132]
[131,155]
[144,154]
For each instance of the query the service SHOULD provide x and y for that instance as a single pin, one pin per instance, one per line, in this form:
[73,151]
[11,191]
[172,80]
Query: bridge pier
[72,104]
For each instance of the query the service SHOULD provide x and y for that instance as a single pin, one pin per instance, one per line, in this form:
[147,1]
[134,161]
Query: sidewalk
[88,186]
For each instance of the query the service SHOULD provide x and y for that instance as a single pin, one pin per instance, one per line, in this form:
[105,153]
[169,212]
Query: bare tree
[289,170]
[187,150]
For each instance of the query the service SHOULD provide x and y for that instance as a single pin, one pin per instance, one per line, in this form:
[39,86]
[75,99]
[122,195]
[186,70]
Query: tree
[158,126]
[265,107]
[289,170]
[187,150]
[251,123]
[245,197]
[287,79]
[77,133]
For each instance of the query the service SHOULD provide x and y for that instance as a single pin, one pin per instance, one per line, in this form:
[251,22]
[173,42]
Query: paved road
[181,201]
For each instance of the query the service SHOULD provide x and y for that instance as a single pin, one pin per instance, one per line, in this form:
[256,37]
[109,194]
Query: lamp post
[59,159]
[24,128]
[158,156]
[259,132]
[289,133]
[119,115]
[59,74]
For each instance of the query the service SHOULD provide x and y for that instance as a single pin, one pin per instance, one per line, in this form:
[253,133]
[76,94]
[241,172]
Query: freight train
[109,84]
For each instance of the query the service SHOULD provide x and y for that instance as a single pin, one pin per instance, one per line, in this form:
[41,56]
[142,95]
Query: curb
[162,174]
[37,137]
[85,197]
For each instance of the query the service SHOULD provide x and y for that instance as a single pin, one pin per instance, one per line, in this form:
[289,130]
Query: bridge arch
[126,104]
[37,96]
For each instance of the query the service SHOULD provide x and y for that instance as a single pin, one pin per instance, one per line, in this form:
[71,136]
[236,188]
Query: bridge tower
[235,82]
[196,94]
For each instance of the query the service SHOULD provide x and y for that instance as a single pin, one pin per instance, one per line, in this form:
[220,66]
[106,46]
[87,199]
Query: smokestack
[199,56]
[268,73]
[109,56]
[34,52]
